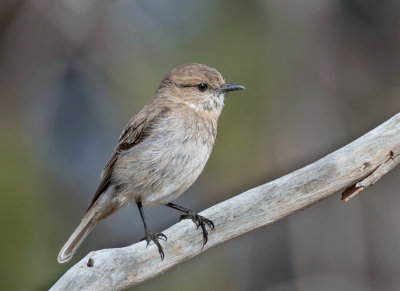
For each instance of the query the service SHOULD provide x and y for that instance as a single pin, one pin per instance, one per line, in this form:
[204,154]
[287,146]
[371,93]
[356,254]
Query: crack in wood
[374,176]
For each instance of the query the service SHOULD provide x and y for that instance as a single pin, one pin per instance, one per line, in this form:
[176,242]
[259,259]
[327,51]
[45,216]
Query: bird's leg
[151,236]
[199,220]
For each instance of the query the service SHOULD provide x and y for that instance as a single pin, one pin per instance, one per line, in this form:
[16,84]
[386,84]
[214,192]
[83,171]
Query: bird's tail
[76,238]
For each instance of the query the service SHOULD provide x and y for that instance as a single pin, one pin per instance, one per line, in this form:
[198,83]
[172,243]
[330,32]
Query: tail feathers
[77,236]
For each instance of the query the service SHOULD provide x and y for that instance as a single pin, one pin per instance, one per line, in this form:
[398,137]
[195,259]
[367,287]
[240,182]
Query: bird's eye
[202,87]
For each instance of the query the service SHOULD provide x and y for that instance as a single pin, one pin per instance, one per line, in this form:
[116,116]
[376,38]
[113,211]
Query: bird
[160,153]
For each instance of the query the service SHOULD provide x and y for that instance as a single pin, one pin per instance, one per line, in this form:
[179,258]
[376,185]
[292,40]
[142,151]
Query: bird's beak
[231,87]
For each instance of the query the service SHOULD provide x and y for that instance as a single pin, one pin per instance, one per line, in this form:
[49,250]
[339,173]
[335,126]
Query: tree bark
[350,170]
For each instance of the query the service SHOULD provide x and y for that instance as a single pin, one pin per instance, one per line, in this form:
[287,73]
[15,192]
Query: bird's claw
[155,237]
[200,221]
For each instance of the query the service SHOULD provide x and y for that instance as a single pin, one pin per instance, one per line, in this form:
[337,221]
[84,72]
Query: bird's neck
[208,107]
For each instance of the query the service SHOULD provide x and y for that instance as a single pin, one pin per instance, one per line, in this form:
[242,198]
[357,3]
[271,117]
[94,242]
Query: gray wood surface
[350,170]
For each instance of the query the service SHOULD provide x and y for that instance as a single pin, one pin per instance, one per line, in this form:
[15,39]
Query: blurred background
[318,73]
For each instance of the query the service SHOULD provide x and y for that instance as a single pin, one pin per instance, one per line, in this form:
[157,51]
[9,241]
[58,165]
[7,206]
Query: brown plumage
[161,151]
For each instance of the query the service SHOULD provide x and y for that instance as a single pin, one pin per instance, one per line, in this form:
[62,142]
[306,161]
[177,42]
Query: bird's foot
[155,237]
[200,221]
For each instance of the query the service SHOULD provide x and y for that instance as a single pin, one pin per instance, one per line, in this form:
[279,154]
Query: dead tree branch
[350,170]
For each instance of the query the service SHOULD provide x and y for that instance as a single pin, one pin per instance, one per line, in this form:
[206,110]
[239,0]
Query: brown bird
[161,152]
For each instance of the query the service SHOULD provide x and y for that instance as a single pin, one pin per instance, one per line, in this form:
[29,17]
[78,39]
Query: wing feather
[134,132]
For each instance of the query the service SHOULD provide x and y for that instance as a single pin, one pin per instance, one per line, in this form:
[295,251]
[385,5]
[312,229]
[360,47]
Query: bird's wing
[134,132]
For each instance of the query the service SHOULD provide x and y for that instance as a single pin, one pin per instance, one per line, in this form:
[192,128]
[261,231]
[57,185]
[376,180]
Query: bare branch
[352,168]
[370,180]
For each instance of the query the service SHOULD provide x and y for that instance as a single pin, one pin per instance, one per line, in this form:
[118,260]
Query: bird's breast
[167,162]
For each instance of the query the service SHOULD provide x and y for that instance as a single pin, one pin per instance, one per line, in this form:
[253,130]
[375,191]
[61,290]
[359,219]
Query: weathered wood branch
[350,169]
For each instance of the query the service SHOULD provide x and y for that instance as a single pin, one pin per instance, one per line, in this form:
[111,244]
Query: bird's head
[198,86]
